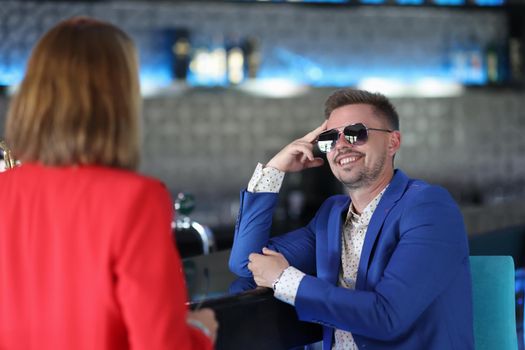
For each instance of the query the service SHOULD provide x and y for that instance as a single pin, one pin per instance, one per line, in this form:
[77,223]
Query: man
[384,267]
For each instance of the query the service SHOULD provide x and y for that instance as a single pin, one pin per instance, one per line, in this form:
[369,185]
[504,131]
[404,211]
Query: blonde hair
[79,102]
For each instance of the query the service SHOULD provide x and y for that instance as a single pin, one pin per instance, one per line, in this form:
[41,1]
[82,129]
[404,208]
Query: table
[248,318]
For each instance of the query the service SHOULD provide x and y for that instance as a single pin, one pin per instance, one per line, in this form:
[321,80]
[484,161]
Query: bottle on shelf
[465,60]
[235,60]
[181,53]
[250,47]
[497,63]
[516,60]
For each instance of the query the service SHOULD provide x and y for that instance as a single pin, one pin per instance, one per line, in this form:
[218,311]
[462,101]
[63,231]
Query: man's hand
[298,155]
[267,267]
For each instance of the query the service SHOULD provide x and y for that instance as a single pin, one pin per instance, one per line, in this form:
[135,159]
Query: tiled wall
[208,142]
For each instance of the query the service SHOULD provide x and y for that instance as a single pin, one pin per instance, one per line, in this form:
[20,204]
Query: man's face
[360,166]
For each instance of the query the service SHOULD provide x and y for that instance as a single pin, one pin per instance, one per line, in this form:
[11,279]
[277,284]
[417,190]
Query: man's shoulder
[417,187]
[414,186]
[418,191]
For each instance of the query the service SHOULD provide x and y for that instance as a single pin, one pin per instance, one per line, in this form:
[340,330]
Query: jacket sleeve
[149,280]
[252,233]
[430,252]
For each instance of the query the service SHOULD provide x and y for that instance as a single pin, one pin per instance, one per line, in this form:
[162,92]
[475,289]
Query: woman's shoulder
[121,178]
[89,177]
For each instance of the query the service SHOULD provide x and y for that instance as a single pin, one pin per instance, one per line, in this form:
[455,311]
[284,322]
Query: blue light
[372,2]
[11,74]
[449,2]
[410,2]
[154,77]
[150,76]
[489,2]
[314,75]
[284,63]
[344,76]
[322,1]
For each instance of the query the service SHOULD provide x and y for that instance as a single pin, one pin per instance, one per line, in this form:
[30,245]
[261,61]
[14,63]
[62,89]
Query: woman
[86,256]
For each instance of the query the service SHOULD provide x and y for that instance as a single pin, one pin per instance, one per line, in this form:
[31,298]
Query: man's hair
[79,102]
[382,106]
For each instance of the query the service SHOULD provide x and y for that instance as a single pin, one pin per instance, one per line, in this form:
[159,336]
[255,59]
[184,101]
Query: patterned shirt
[265,180]
[354,231]
[352,240]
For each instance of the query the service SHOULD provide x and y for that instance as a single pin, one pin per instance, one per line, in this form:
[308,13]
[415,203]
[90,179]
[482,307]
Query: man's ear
[394,143]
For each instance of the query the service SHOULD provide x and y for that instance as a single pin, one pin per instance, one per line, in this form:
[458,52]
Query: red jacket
[87,262]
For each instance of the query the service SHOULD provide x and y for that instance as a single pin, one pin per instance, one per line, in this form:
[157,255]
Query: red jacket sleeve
[149,281]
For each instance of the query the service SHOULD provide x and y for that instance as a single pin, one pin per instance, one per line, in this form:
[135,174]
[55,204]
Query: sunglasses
[355,134]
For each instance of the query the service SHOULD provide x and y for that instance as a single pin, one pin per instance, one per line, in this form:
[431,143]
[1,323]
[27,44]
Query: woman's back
[87,262]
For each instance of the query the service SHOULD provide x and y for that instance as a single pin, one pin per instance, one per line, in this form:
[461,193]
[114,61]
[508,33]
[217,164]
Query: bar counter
[248,318]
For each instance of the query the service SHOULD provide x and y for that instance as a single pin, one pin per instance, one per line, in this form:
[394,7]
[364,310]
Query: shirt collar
[366,215]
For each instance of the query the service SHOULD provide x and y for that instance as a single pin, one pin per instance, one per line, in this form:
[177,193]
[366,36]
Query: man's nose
[342,141]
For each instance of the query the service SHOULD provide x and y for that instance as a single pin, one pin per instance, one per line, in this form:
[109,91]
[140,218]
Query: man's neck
[361,197]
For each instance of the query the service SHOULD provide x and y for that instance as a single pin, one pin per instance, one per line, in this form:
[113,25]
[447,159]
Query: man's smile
[348,158]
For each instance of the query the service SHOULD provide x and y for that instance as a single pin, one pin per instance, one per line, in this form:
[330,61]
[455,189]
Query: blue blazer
[413,288]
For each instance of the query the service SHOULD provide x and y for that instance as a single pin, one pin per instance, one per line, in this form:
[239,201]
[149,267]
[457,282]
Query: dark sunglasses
[355,134]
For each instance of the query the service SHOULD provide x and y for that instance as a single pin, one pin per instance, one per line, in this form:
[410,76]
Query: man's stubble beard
[366,176]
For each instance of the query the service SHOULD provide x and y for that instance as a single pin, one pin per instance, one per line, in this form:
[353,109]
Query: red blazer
[87,262]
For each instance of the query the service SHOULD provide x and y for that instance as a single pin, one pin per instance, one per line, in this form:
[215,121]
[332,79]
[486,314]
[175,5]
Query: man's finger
[306,150]
[267,251]
[252,256]
[312,135]
[314,163]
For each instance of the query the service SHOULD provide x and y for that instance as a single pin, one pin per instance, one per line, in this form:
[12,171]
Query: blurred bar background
[454,72]
[228,83]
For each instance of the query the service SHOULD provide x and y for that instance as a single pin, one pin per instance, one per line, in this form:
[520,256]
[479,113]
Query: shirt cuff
[200,326]
[266,179]
[287,286]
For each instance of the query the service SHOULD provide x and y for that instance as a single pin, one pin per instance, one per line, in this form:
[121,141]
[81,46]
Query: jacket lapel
[393,193]
[335,223]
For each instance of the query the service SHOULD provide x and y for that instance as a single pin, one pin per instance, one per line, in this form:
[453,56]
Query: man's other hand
[267,267]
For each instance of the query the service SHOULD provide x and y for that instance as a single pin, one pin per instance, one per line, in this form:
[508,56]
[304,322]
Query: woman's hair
[79,102]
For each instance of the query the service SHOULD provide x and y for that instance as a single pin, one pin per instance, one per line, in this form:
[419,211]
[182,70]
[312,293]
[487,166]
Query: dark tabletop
[248,318]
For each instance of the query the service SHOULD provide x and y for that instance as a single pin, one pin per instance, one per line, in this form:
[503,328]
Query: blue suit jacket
[413,288]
